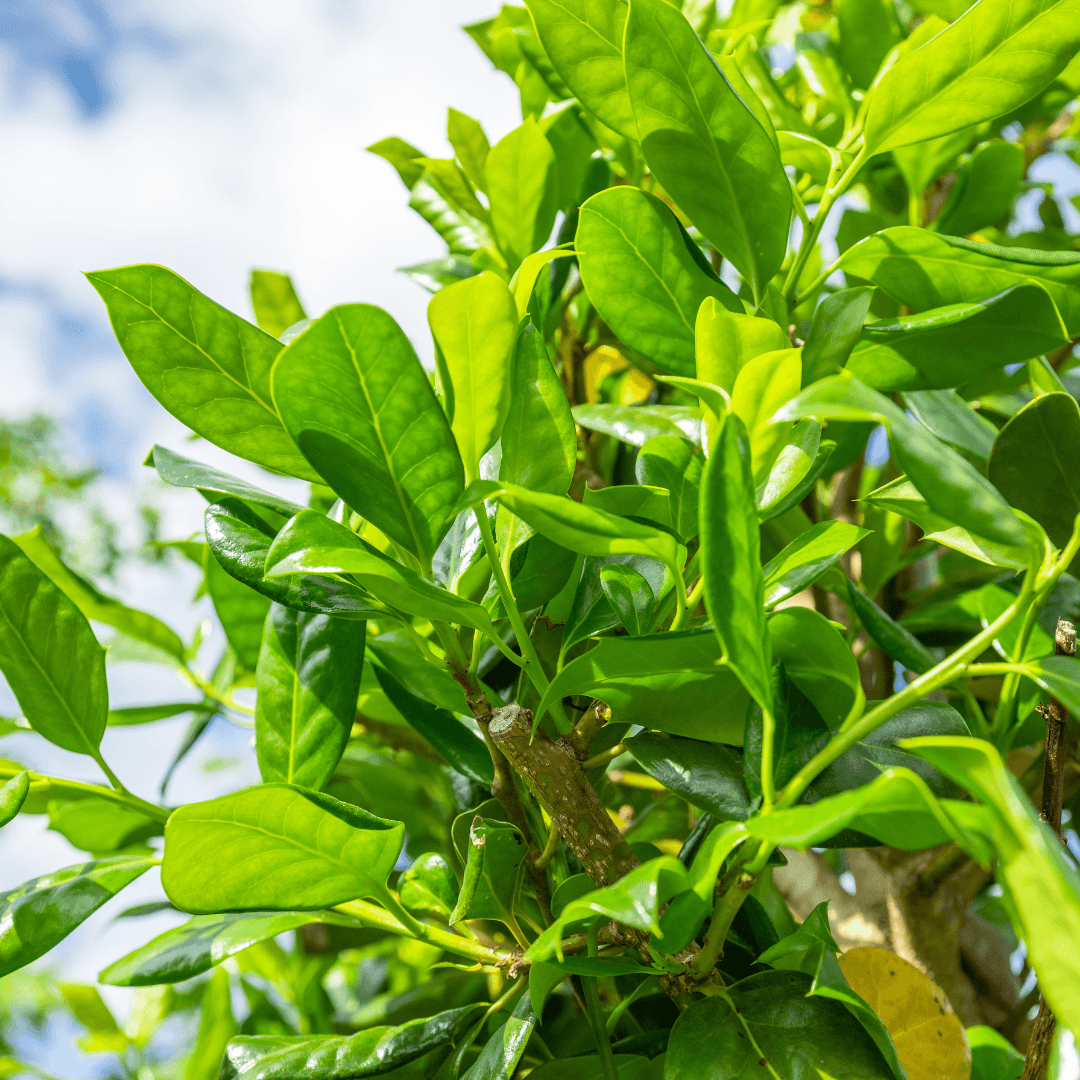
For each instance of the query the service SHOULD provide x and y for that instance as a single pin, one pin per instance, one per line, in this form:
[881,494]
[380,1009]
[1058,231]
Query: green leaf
[1060,676]
[950,485]
[436,274]
[993,1057]
[240,541]
[868,31]
[725,341]
[274,300]
[12,796]
[86,1005]
[950,346]
[673,681]
[93,603]
[308,679]
[787,464]
[463,233]
[462,750]
[762,386]
[40,913]
[402,156]
[637,501]
[493,873]
[203,942]
[372,1052]
[788,472]
[637,424]
[278,848]
[630,595]
[952,420]
[996,56]
[806,558]
[207,366]
[357,401]
[669,462]
[1041,885]
[50,657]
[401,657]
[429,886]
[838,322]
[923,162]
[241,609]
[640,272]
[984,190]
[503,1051]
[521,179]
[584,43]
[313,544]
[707,775]
[731,561]
[923,270]
[1032,463]
[180,471]
[216,1027]
[470,144]
[474,324]
[704,145]
[769,1017]
[100,826]
[898,642]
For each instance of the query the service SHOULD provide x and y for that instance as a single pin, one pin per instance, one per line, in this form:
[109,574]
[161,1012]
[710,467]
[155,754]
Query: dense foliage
[601,653]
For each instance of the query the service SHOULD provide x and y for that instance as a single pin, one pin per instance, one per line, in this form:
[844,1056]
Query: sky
[211,138]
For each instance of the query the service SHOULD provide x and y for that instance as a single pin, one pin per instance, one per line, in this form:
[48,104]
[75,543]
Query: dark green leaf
[307,678]
[50,657]
[868,30]
[207,366]
[984,190]
[952,420]
[705,774]
[1060,676]
[12,796]
[40,913]
[642,277]
[898,642]
[274,300]
[357,401]
[704,145]
[838,322]
[669,462]
[277,848]
[203,942]
[503,1051]
[590,613]
[637,424]
[1033,463]
[806,558]
[241,609]
[993,1057]
[399,654]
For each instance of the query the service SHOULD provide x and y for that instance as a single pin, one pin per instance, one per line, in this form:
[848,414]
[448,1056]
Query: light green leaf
[275,848]
[952,420]
[12,796]
[996,56]
[704,145]
[50,657]
[669,462]
[792,466]
[645,276]
[470,144]
[636,424]
[494,870]
[503,1051]
[207,366]
[630,595]
[100,826]
[274,300]
[216,1027]
[358,403]
[984,190]
[762,386]
[241,609]
[807,557]
[725,341]
[838,322]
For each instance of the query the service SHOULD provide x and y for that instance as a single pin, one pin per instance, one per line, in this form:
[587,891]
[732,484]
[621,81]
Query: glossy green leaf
[630,595]
[725,340]
[50,657]
[1060,675]
[641,274]
[731,561]
[924,270]
[521,178]
[769,1017]
[100,826]
[669,462]
[474,324]
[307,678]
[762,386]
[462,750]
[207,366]
[703,144]
[241,609]
[464,234]
[673,681]
[277,848]
[794,462]
[504,1049]
[993,58]
[40,913]
[216,1027]
[470,144]
[1042,885]
[897,641]
[402,658]
[180,471]
[947,347]
[637,424]
[12,796]
[952,420]
[429,886]
[402,156]
[372,1052]
[584,42]
[313,544]
[984,190]
[707,775]
[93,603]
[993,1057]
[357,401]
[274,300]
[817,659]
[240,540]
[950,485]
[806,558]
[493,873]
[788,464]
[1032,464]
[640,502]
[838,322]
[203,942]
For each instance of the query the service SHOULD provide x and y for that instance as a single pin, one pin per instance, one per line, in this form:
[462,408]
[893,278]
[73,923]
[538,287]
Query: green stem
[532,665]
[212,693]
[680,598]
[724,911]
[768,749]
[596,1017]
[649,983]
[121,795]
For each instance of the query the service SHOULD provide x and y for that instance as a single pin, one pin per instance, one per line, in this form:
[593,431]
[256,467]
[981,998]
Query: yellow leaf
[929,1038]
